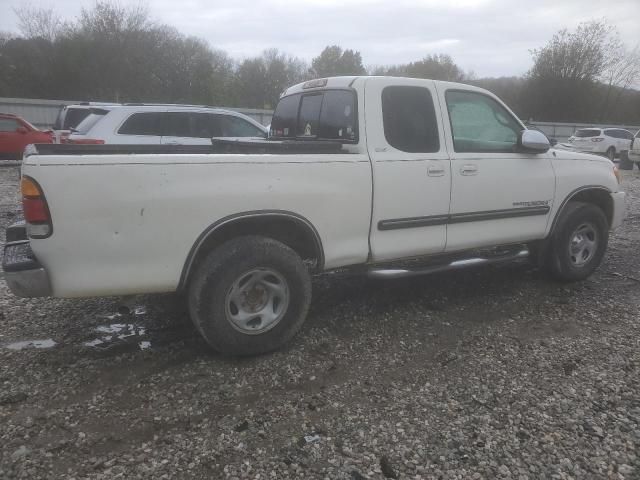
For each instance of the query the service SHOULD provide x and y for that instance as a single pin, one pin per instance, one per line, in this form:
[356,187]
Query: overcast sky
[489,37]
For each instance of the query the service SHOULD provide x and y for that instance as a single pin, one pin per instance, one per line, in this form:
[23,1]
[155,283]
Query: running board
[454,265]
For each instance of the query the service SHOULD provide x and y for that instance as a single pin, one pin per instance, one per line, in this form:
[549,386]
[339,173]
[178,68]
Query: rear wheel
[611,153]
[250,296]
[578,242]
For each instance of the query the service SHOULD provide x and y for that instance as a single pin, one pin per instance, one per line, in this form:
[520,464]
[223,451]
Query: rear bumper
[634,155]
[618,209]
[22,271]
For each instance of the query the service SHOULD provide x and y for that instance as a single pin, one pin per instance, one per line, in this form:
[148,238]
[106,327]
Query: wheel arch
[292,229]
[594,194]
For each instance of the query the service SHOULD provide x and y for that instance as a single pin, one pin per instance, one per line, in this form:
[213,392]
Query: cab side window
[409,119]
[479,124]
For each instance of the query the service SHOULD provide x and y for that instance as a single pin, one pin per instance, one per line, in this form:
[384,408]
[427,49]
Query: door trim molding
[434,220]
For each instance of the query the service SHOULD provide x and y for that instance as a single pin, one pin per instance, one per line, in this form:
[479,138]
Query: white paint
[102,245]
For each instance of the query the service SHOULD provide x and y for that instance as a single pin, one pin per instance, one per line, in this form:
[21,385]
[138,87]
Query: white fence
[43,113]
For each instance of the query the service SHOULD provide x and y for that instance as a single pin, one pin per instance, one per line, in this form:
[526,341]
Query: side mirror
[22,130]
[533,141]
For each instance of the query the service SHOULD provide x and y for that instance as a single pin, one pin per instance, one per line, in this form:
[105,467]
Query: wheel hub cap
[257,301]
[583,245]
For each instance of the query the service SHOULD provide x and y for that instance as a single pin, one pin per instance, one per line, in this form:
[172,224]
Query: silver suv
[162,125]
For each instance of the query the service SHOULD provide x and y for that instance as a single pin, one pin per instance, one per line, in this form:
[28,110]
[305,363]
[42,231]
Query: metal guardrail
[562,131]
[43,113]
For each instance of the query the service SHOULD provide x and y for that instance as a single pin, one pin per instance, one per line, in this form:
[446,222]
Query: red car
[16,133]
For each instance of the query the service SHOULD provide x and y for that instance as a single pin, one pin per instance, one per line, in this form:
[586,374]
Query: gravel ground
[487,373]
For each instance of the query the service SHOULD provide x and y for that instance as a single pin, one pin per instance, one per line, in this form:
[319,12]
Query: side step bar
[454,265]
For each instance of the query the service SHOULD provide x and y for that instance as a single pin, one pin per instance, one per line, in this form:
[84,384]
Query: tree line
[116,53]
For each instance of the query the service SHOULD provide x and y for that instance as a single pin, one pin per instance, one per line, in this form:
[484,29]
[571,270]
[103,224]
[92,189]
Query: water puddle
[119,334]
[46,343]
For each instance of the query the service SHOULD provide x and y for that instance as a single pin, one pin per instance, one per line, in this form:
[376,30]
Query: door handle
[469,170]
[435,171]
[172,142]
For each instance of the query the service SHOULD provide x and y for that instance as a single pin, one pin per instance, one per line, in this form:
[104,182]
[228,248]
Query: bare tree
[40,22]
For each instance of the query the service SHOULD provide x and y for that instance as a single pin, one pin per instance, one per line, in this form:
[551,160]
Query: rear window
[587,132]
[148,123]
[94,115]
[74,117]
[326,115]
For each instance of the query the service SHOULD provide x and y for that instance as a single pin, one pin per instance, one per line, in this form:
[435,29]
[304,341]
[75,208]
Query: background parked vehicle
[71,116]
[16,133]
[162,125]
[634,150]
[607,141]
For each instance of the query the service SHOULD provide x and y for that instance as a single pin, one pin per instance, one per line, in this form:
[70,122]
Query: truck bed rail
[257,146]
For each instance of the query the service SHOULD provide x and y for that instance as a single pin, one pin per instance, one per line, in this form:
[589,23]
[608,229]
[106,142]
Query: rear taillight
[84,141]
[35,208]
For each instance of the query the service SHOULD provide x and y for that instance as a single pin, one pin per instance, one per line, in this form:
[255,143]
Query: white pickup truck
[382,176]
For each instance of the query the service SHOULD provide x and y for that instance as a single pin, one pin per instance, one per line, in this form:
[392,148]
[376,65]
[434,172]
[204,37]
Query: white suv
[607,141]
[634,150]
[162,125]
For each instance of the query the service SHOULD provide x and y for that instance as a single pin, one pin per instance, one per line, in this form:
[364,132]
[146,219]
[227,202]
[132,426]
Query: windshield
[590,132]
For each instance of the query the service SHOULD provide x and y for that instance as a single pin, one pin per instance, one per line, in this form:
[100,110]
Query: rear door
[411,169]
[498,194]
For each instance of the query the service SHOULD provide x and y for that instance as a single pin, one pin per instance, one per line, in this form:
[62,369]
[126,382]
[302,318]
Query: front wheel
[611,153]
[250,296]
[578,242]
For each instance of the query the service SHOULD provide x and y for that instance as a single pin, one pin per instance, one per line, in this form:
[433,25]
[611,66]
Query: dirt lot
[490,373]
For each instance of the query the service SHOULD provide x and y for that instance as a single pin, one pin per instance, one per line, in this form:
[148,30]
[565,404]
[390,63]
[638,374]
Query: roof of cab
[331,82]
[348,81]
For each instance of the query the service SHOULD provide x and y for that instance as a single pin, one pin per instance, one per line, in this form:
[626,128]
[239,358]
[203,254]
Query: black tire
[611,153]
[625,163]
[573,220]
[638,165]
[224,267]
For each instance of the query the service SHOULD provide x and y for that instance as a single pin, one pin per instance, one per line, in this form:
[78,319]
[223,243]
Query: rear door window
[178,124]
[409,119]
[587,132]
[143,123]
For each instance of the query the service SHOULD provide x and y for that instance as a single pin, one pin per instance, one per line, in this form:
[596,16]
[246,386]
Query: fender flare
[568,199]
[253,214]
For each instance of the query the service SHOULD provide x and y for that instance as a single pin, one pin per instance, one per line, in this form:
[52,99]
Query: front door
[411,169]
[499,195]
